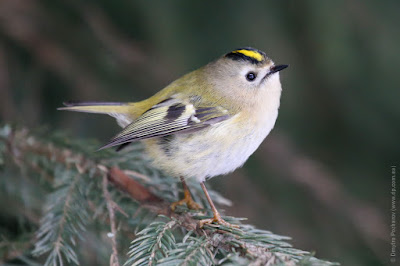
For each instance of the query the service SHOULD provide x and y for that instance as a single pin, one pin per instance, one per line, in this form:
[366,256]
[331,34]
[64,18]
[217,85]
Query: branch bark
[18,147]
[110,207]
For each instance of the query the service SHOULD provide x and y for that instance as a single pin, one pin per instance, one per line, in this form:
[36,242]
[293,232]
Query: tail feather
[73,103]
[97,107]
[119,110]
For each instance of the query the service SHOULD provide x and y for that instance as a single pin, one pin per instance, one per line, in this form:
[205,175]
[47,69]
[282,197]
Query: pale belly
[216,150]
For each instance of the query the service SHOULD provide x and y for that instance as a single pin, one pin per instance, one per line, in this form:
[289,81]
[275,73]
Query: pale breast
[216,150]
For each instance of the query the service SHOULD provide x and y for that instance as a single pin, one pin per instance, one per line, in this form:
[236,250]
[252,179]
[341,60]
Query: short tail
[97,107]
[119,110]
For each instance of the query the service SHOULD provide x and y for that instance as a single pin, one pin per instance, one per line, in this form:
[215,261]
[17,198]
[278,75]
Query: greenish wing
[168,117]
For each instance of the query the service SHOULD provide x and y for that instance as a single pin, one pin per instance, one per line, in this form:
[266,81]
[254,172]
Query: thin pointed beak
[277,68]
[274,69]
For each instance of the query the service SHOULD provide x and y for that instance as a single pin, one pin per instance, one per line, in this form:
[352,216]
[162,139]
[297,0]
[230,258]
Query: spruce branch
[73,175]
[66,217]
[191,251]
[151,244]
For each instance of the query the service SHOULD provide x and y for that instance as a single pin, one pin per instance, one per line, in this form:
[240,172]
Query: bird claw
[218,220]
[188,200]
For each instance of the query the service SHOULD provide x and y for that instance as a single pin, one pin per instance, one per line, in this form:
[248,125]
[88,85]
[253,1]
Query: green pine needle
[75,223]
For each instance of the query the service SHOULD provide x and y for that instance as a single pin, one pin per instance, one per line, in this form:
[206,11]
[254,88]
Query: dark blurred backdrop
[323,176]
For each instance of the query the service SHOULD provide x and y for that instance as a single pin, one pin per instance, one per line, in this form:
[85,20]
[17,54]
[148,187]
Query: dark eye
[251,76]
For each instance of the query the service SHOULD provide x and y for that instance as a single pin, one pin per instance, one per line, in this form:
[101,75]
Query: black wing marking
[166,118]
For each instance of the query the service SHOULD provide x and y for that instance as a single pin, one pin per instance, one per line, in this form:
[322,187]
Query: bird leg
[217,217]
[187,199]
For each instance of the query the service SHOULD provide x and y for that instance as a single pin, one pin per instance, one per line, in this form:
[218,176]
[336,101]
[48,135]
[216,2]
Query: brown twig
[131,186]
[110,206]
[147,199]
[18,148]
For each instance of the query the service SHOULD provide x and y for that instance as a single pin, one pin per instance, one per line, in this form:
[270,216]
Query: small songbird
[204,124]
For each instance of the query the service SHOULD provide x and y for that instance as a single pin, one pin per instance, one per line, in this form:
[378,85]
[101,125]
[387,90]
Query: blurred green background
[323,176]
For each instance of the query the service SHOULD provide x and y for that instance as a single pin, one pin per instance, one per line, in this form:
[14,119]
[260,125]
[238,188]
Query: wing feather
[170,116]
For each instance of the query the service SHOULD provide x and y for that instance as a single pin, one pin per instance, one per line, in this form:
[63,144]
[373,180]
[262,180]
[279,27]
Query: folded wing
[168,117]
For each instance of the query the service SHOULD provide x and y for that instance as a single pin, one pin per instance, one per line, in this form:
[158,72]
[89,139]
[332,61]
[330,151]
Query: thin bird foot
[218,220]
[217,217]
[190,203]
[187,199]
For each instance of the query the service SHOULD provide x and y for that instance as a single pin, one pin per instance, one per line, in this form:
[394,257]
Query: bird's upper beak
[277,68]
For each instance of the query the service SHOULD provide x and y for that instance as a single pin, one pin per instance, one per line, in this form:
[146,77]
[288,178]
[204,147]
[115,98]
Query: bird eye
[251,76]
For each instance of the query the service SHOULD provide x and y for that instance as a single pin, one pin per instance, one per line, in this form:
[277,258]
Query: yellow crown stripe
[252,54]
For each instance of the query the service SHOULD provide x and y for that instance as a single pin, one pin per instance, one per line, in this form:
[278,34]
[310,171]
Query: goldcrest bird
[204,124]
